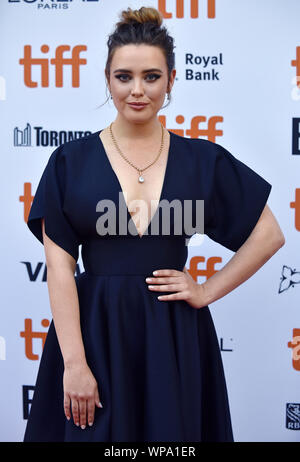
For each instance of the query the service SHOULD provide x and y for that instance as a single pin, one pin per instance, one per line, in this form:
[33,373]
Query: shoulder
[76,151]
[77,145]
[199,149]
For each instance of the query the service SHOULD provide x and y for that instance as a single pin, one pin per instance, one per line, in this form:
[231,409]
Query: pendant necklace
[141,179]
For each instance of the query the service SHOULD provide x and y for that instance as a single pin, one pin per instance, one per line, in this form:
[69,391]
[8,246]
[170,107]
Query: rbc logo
[293,416]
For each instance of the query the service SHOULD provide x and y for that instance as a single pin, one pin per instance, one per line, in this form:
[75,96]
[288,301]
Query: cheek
[120,91]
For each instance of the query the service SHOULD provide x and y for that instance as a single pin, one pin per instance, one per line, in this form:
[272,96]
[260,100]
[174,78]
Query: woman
[122,364]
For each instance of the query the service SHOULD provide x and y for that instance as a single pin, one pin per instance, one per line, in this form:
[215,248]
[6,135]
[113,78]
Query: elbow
[278,241]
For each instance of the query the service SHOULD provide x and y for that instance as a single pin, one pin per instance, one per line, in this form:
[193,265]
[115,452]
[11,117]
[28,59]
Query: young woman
[119,363]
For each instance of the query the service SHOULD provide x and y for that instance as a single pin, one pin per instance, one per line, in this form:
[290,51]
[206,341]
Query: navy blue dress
[157,363]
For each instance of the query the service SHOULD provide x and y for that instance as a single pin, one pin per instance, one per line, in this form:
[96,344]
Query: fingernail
[100,404]
[68,418]
[155,273]
[77,424]
[90,424]
[83,427]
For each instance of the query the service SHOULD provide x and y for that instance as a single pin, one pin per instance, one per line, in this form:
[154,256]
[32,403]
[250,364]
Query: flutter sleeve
[48,202]
[237,198]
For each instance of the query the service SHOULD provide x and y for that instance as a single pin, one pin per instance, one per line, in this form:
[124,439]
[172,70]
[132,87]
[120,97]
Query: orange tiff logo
[194,8]
[200,125]
[59,62]
[295,345]
[28,334]
[296,205]
[296,63]
[209,267]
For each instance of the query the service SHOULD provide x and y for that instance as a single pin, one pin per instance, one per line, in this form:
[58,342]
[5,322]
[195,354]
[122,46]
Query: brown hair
[143,26]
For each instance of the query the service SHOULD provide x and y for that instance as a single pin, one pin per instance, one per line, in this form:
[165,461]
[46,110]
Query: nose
[137,88]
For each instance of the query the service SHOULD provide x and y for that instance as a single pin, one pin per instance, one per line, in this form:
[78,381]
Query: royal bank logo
[38,136]
[203,68]
[292,416]
[51,4]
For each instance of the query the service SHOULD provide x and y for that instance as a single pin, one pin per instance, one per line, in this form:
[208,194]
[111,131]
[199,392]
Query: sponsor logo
[52,4]
[292,416]
[192,7]
[59,62]
[28,335]
[38,136]
[289,278]
[39,273]
[296,64]
[27,392]
[200,126]
[296,135]
[206,62]
[296,205]
[295,345]
[209,267]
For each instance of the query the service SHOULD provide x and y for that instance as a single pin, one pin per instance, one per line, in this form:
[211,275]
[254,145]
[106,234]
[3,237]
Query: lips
[138,104]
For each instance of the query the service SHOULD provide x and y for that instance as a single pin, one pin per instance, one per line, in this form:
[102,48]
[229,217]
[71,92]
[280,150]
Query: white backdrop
[249,85]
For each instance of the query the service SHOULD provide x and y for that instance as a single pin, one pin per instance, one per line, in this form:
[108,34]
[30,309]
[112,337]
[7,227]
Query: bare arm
[64,301]
[264,241]
[79,384]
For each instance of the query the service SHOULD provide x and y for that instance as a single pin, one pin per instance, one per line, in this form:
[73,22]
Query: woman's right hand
[80,394]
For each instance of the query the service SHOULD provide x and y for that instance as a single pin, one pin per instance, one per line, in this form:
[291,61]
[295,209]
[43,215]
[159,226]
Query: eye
[121,76]
[156,76]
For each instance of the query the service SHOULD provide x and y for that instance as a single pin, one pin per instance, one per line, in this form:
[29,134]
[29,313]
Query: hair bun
[141,16]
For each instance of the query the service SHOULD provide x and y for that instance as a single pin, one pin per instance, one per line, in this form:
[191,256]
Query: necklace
[141,179]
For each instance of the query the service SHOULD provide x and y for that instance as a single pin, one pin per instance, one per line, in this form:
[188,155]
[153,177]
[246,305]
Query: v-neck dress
[157,363]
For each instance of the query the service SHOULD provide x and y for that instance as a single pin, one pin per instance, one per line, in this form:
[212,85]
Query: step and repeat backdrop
[237,84]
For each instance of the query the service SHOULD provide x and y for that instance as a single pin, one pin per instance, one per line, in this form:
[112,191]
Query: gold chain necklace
[141,179]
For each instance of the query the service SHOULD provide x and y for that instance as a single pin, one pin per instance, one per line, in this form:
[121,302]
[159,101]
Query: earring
[111,96]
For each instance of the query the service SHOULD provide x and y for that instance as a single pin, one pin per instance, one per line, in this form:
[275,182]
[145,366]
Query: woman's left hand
[180,282]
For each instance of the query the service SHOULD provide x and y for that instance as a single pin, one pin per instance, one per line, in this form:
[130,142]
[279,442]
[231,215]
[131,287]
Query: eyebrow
[146,70]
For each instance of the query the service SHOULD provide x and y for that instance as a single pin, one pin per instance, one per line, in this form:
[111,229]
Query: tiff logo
[296,205]
[22,137]
[28,334]
[296,63]
[208,5]
[209,126]
[295,345]
[59,62]
[209,267]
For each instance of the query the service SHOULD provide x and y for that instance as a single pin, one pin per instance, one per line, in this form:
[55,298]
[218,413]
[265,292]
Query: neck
[123,129]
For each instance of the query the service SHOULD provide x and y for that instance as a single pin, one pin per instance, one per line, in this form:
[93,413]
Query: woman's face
[131,80]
